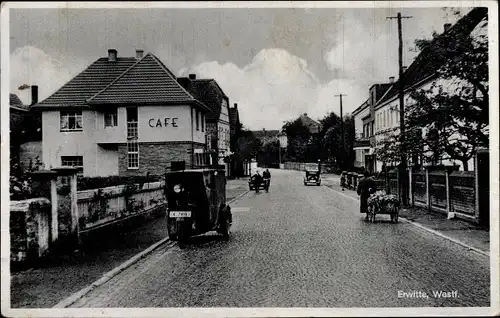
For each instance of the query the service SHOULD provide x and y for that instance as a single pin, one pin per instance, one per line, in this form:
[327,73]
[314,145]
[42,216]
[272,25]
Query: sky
[276,63]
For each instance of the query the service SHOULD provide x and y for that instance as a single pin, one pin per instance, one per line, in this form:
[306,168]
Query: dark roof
[313,125]
[88,83]
[208,92]
[431,58]
[16,103]
[234,116]
[147,81]
[361,107]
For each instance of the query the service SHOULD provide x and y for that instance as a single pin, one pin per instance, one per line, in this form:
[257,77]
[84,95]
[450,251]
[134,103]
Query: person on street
[267,178]
[257,179]
[366,186]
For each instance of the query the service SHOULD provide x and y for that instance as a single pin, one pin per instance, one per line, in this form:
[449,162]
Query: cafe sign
[163,122]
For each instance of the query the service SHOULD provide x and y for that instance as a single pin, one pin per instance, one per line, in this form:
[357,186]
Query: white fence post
[451,215]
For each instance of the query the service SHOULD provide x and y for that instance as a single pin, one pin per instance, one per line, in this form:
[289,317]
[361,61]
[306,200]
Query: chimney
[34,94]
[235,106]
[391,79]
[305,114]
[405,68]
[112,55]
[192,76]
[139,54]
[447,26]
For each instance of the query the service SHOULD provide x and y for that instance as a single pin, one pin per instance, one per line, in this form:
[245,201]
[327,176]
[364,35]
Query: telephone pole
[403,178]
[341,127]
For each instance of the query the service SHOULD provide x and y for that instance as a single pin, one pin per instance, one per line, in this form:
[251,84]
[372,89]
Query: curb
[423,227]
[112,273]
[238,196]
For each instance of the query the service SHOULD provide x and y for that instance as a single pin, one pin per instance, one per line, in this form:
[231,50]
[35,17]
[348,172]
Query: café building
[123,116]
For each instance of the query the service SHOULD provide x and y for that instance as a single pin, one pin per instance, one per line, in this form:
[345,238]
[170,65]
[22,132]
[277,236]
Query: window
[132,124]
[73,161]
[133,155]
[71,121]
[202,122]
[197,120]
[111,118]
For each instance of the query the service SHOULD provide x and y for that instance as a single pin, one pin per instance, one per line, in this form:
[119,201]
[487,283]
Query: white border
[255,312]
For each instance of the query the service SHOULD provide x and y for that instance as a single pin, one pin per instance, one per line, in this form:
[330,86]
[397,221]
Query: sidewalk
[465,232]
[61,276]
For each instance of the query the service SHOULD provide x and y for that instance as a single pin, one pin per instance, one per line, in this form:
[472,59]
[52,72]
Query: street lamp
[283,141]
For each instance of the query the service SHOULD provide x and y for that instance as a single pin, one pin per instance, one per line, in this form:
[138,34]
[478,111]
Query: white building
[375,123]
[122,116]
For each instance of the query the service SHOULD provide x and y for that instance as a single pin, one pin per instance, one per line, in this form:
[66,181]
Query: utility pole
[341,127]
[403,178]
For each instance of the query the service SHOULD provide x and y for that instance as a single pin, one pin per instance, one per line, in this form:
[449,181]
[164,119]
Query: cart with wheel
[382,203]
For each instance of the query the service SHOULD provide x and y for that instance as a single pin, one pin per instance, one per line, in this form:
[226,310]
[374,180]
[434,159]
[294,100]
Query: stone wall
[155,157]
[29,229]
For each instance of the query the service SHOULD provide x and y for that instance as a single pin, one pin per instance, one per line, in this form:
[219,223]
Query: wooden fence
[445,192]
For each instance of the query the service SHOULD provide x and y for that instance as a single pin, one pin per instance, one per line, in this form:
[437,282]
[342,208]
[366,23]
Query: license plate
[180,214]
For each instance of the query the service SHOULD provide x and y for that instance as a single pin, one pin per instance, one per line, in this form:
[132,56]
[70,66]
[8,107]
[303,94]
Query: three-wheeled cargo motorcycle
[196,203]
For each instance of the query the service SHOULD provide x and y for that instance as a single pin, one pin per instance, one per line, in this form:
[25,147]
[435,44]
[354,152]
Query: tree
[455,108]
[331,139]
[298,138]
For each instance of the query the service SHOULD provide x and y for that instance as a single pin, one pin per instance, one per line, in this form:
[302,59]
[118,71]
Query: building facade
[379,117]
[218,130]
[129,116]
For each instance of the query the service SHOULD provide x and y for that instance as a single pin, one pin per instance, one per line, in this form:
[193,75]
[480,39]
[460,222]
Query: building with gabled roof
[123,116]
[378,119]
[218,123]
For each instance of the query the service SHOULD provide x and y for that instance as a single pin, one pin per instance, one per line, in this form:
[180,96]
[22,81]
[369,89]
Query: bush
[87,183]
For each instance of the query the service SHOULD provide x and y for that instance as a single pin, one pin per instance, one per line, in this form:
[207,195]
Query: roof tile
[148,81]
[89,82]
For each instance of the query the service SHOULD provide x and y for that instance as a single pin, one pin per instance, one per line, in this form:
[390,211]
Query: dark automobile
[197,203]
[313,174]
[251,183]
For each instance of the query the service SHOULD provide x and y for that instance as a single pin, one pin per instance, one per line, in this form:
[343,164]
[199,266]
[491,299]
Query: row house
[218,130]
[123,116]
[378,117]
[364,125]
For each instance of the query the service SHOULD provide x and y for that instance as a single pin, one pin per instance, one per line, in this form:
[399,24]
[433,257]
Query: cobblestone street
[300,246]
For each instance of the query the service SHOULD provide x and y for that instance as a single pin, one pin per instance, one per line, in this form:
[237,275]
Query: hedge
[87,183]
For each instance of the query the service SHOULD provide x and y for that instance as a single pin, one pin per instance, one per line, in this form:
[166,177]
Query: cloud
[31,66]
[277,86]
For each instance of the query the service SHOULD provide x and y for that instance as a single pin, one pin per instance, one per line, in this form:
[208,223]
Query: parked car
[197,203]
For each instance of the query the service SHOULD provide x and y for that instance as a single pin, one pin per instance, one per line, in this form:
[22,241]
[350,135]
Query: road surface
[300,246]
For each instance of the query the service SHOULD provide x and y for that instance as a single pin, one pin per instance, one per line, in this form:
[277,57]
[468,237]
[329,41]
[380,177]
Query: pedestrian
[366,186]
[257,179]
[267,178]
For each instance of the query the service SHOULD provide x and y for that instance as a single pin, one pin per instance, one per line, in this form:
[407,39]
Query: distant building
[364,123]
[25,132]
[313,126]
[218,128]
[123,116]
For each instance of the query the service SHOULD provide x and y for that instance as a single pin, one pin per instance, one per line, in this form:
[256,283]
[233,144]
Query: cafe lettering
[163,122]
